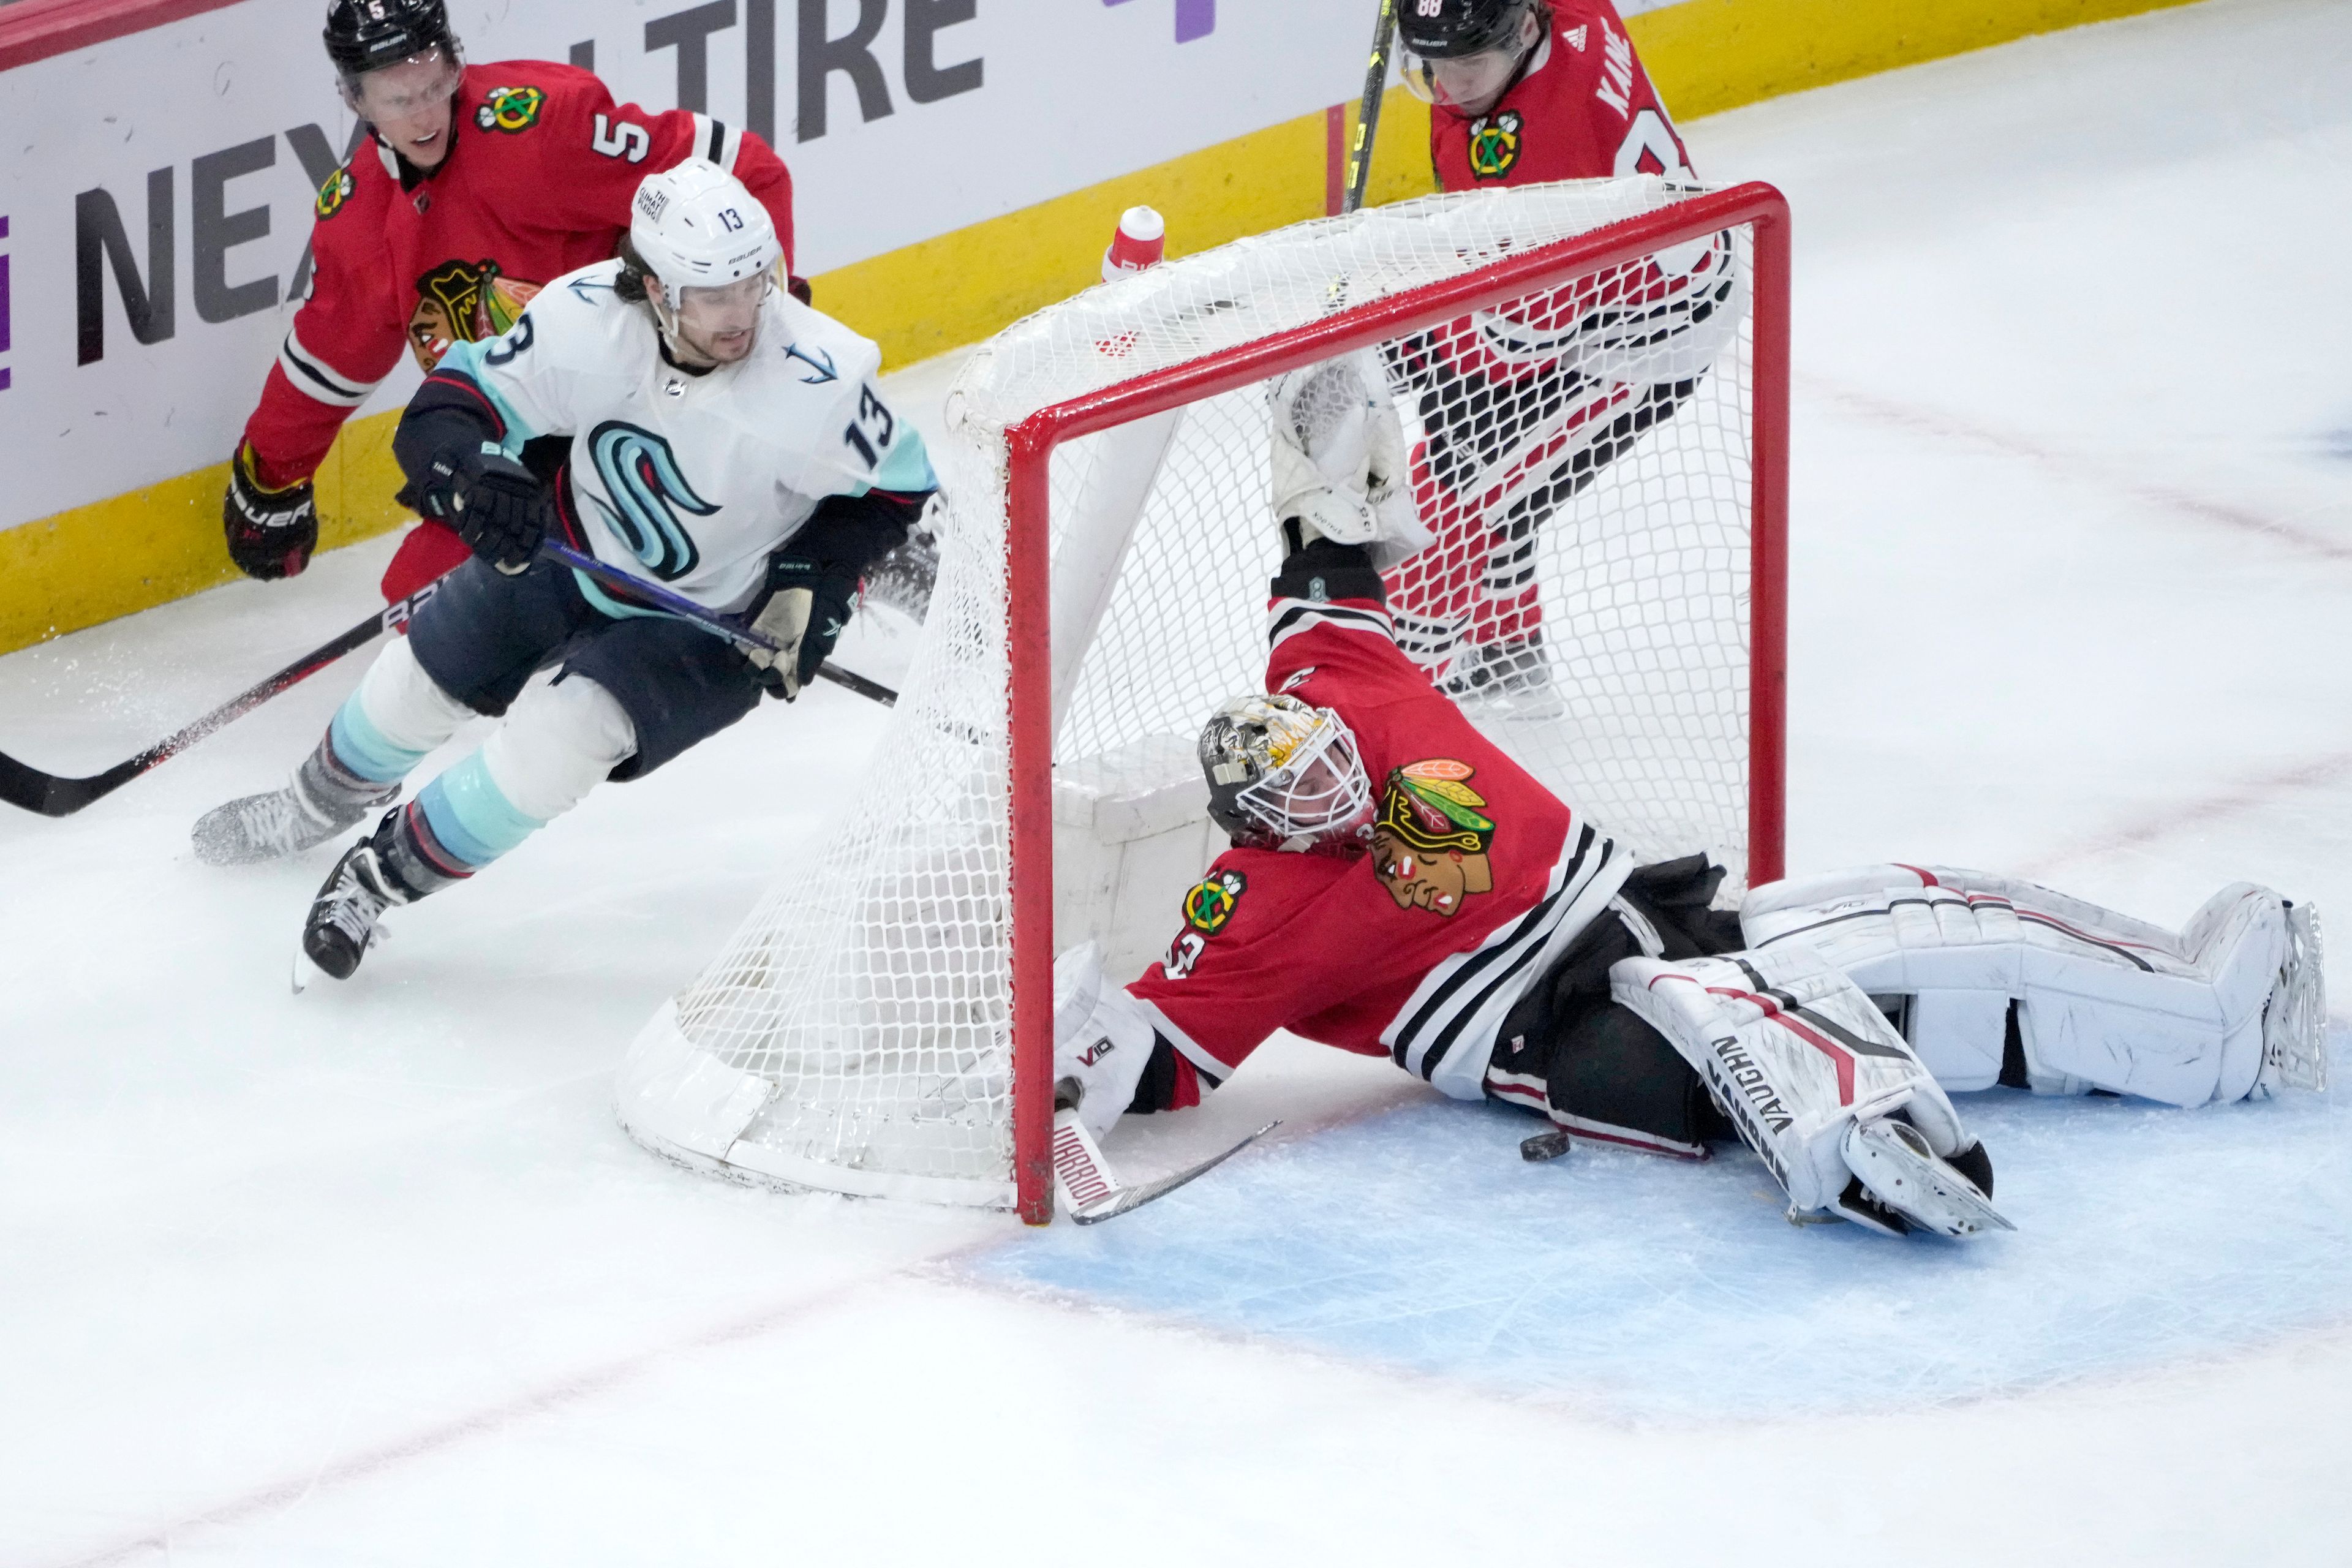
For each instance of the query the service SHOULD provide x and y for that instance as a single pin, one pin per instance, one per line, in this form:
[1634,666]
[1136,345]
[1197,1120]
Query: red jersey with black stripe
[1471,877]
[542,168]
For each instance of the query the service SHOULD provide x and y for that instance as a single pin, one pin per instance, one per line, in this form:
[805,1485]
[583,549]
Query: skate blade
[304,971]
[2294,1027]
[1916,1185]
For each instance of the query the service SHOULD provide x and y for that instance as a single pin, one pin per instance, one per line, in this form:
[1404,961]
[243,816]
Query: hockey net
[1592,380]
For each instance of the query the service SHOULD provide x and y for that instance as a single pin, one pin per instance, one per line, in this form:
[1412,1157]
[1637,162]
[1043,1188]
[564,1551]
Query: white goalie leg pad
[1805,1066]
[1102,1039]
[2103,1001]
[1664,319]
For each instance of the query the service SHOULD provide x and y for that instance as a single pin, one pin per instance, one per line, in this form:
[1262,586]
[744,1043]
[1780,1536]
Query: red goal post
[1590,381]
[1032,441]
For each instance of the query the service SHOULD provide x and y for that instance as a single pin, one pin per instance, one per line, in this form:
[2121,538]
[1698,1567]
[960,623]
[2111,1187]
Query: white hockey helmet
[695,226]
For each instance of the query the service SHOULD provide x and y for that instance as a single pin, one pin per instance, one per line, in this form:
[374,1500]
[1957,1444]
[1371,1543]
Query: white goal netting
[1582,455]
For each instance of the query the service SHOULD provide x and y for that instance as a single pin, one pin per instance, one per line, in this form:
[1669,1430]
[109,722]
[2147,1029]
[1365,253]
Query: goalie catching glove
[497,505]
[1339,461]
[1820,1086]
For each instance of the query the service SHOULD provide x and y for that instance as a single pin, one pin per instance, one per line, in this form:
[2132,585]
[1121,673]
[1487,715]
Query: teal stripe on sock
[364,748]
[471,816]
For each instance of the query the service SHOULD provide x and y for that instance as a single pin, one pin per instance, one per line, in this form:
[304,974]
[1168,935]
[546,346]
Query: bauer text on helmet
[399,65]
[1464,55]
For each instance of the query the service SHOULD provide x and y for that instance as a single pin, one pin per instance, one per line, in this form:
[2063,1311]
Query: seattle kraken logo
[641,475]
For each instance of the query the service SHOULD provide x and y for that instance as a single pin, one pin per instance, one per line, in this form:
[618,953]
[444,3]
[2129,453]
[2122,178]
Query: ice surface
[370,1277]
[1646,1289]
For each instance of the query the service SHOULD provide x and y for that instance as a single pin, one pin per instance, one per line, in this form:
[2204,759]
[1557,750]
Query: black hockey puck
[1544,1146]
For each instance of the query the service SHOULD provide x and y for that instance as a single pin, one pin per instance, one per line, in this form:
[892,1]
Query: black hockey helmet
[1449,29]
[369,35]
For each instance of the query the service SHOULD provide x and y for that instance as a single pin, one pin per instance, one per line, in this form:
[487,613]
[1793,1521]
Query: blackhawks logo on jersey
[1211,901]
[1495,144]
[463,302]
[512,109]
[1431,838]
[335,192]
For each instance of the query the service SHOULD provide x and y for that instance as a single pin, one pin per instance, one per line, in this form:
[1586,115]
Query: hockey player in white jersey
[1398,886]
[688,422]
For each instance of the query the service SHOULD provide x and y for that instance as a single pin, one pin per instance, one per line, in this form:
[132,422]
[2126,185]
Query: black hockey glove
[807,607]
[270,533]
[498,506]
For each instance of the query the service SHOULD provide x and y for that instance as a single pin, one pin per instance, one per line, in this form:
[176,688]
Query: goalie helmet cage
[882,1023]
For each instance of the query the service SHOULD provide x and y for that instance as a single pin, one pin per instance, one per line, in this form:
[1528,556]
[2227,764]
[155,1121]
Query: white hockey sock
[557,744]
[397,716]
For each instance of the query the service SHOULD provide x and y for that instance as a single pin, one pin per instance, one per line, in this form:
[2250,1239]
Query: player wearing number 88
[472,186]
[707,432]
[1524,408]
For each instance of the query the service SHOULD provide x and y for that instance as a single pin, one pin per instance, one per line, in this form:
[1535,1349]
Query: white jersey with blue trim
[693,479]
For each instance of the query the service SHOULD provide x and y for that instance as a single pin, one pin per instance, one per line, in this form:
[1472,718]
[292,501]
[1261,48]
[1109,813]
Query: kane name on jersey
[1583,109]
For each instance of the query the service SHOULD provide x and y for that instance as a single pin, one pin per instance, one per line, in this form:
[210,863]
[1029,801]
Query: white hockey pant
[2103,1001]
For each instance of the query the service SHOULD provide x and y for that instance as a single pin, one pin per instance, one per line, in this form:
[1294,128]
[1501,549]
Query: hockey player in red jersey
[1522,91]
[477,184]
[1519,414]
[1399,886]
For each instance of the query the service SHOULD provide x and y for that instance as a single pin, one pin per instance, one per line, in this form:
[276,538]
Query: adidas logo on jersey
[1576,39]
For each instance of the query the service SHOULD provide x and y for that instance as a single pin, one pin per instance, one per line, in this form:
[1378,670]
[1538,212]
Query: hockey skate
[1902,1178]
[2294,1020]
[342,922]
[321,802]
[391,866]
[1504,680]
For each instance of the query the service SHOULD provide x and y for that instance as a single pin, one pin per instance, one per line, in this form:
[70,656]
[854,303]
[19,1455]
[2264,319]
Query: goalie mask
[1285,775]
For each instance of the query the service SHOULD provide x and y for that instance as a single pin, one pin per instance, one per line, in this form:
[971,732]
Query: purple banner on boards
[1194,18]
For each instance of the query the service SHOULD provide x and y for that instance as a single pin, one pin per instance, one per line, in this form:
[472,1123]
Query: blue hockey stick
[734,631]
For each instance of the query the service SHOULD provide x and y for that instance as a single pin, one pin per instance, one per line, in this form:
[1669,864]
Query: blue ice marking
[1649,1289]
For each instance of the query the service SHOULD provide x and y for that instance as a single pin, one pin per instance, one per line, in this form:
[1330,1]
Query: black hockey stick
[709,620]
[1368,118]
[53,796]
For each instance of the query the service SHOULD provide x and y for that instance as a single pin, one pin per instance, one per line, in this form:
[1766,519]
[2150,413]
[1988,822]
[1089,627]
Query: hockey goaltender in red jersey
[476,185]
[1399,886]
